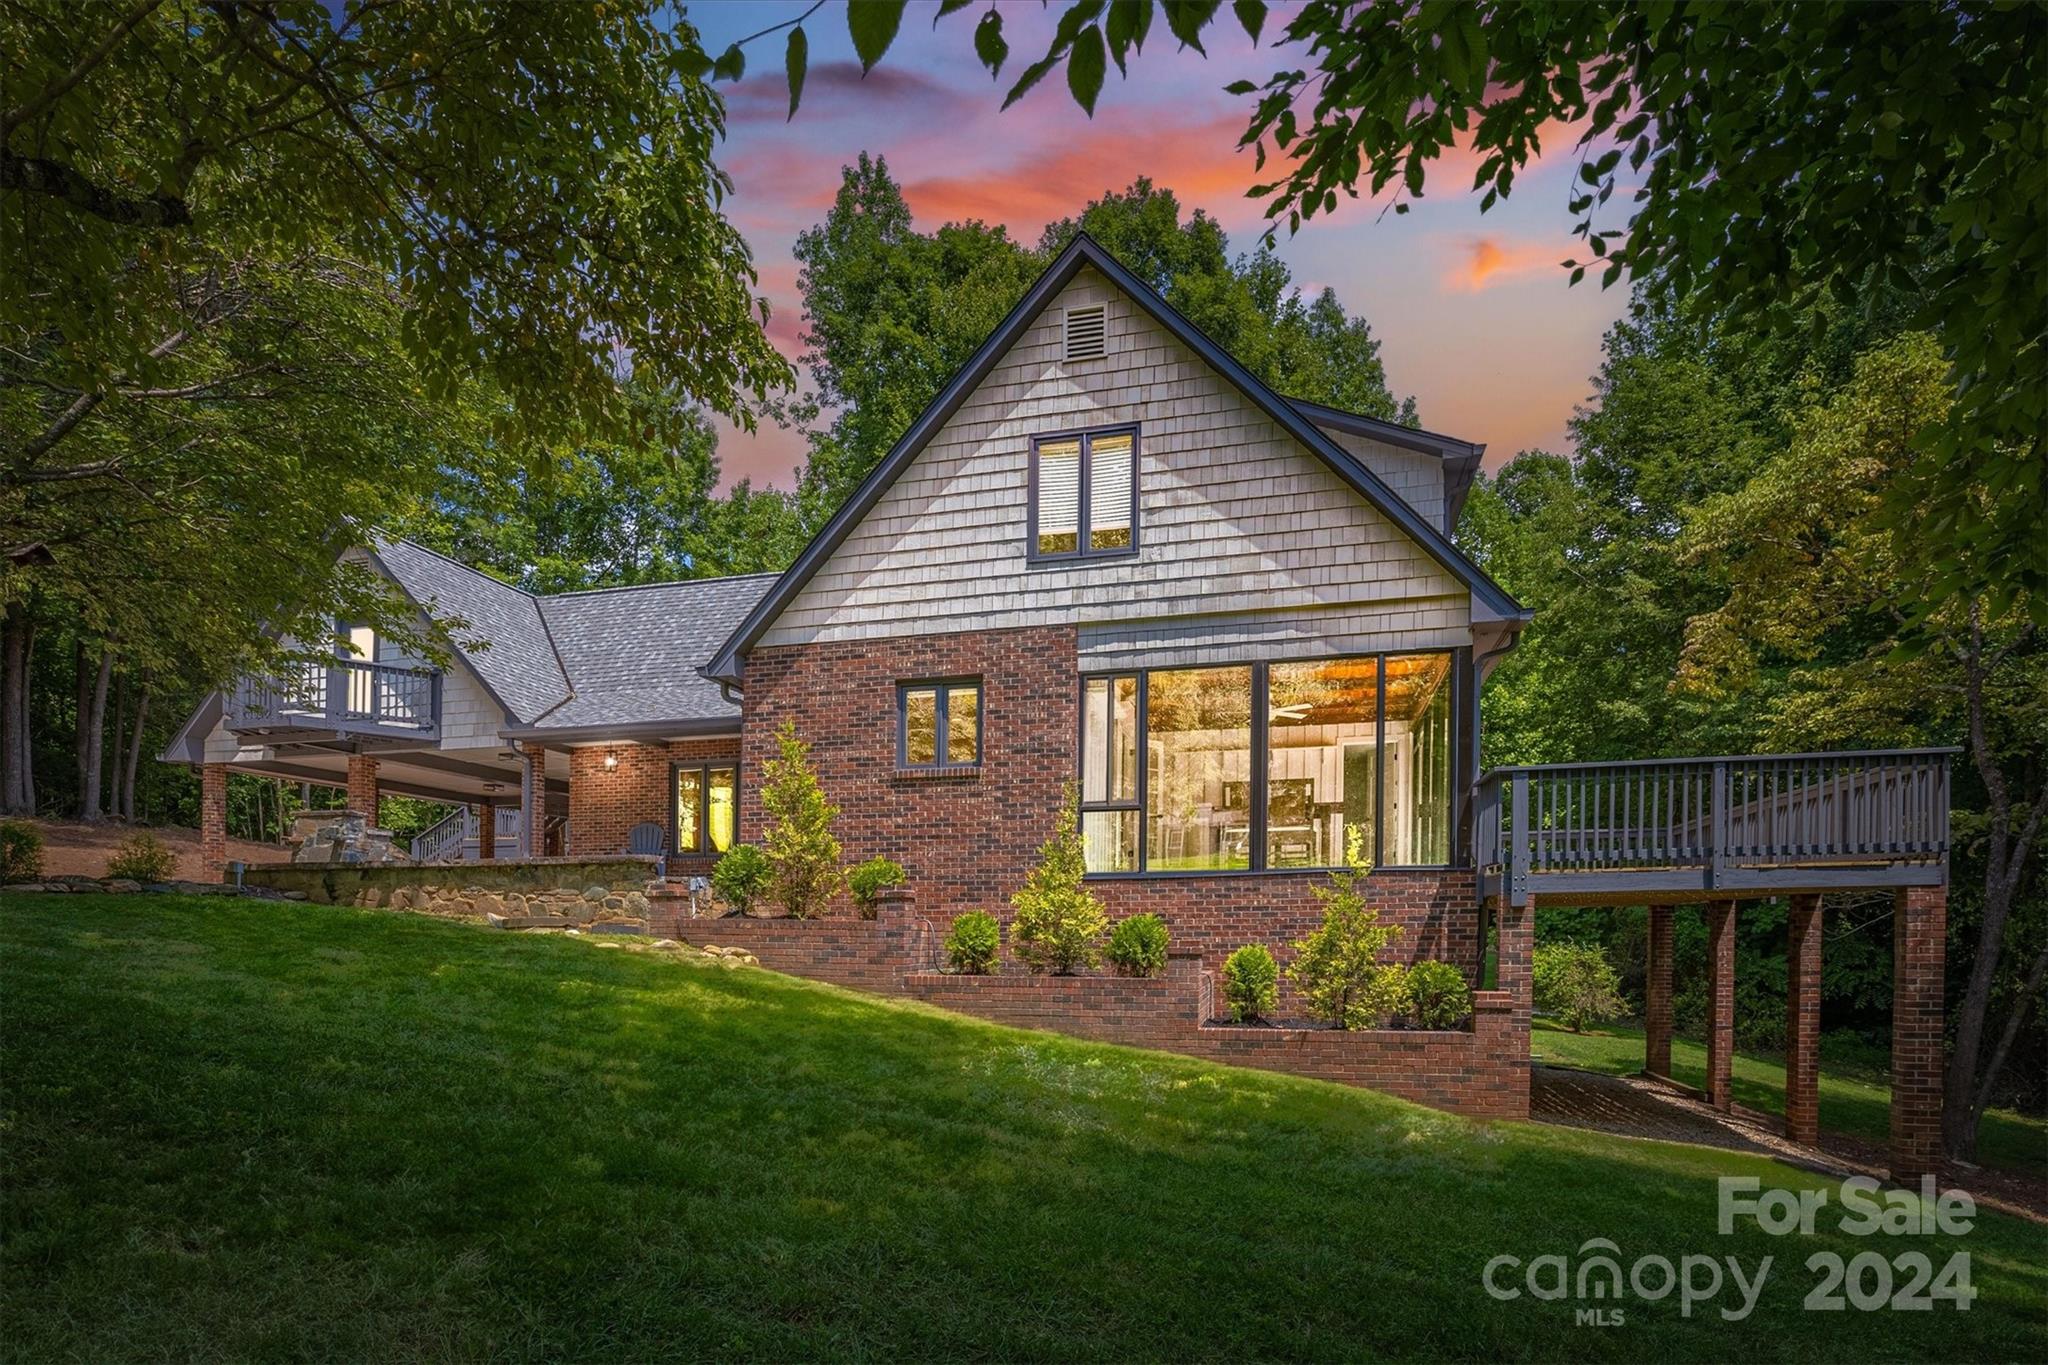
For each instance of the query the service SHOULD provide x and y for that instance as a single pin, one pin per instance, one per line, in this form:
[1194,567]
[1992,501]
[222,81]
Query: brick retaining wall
[1481,1071]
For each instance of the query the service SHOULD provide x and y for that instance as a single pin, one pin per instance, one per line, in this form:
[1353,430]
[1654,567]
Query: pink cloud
[1483,262]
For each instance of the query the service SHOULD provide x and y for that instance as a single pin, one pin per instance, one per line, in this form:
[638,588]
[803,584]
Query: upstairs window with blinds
[1084,494]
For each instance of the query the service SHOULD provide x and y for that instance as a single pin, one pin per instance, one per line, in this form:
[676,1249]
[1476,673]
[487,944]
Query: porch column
[1657,995]
[1720,1003]
[362,785]
[486,816]
[1514,948]
[1802,1021]
[1919,939]
[533,799]
[213,818]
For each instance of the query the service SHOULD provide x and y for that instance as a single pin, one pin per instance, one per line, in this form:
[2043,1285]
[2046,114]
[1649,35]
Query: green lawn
[1855,1094]
[232,1128]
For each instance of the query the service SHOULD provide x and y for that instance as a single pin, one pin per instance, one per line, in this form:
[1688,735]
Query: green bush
[1059,921]
[142,857]
[1137,946]
[1251,983]
[803,855]
[1337,968]
[869,880]
[1575,984]
[972,945]
[741,876]
[1438,996]
[21,851]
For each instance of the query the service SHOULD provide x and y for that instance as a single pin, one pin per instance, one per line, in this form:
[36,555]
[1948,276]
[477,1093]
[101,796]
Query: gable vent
[1086,337]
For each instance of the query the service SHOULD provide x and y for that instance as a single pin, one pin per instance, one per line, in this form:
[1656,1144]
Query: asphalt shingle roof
[609,656]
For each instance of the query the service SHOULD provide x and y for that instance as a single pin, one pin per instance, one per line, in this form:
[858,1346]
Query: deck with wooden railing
[339,696]
[1751,824]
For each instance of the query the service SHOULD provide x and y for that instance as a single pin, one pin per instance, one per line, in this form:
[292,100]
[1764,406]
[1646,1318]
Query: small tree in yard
[803,857]
[1251,983]
[1059,921]
[1337,968]
[1575,983]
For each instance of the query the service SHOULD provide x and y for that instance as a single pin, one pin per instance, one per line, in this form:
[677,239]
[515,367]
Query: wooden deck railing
[1757,821]
[344,694]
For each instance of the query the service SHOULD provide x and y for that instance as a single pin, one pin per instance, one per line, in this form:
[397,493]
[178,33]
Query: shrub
[21,851]
[1251,983]
[741,876]
[1137,946]
[869,880]
[1575,983]
[1059,921]
[1438,996]
[803,857]
[1337,968]
[972,945]
[142,857]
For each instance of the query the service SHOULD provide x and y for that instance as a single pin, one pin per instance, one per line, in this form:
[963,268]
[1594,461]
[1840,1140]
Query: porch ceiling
[469,776]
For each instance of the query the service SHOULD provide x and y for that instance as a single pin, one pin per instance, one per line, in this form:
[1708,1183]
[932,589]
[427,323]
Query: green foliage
[21,851]
[1137,946]
[803,855]
[1438,995]
[1058,922]
[1251,983]
[1575,983]
[973,943]
[1336,969]
[142,857]
[741,876]
[868,880]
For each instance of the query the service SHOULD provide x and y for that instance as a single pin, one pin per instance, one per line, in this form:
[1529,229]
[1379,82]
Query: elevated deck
[337,700]
[1731,827]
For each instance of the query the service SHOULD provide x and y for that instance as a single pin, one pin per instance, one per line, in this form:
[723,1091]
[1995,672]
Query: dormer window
[1084,494]
[1087,333]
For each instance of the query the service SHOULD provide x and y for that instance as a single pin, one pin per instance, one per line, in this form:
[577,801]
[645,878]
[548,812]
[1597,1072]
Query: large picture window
[1270,766]
[1084,494]
[705,807]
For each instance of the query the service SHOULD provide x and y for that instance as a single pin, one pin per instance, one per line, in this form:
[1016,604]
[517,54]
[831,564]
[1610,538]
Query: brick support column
[486,829]
[213,818]
[1657,994]
[1919,940]
[1514,966]
[1802,1021]
[1720,1003]
[362,785]
[533,799]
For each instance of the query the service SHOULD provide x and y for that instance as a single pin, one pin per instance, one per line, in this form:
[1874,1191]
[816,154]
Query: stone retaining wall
[584,889]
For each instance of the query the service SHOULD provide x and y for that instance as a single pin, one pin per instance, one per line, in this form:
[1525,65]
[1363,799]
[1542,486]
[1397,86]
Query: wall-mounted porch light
[611,760]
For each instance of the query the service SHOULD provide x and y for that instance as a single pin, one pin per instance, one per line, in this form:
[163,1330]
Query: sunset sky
[1473,313]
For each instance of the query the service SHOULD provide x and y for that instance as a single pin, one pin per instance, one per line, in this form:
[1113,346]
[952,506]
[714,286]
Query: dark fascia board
[189,744]
[1083,252]
[626,732]
[1460,458]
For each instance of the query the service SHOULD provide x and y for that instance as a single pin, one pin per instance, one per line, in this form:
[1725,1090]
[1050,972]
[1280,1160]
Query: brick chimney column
[362,785]
[213,818]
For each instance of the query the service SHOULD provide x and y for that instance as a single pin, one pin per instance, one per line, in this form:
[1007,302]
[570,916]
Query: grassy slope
[256,1130]
[1855,1094]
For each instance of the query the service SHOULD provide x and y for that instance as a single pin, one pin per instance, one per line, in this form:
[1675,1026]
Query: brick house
[1106,559]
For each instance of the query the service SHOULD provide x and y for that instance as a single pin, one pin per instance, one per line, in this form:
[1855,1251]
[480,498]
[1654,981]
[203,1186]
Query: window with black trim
[704,806]
[938,723]
[1084,494]
[1265,767]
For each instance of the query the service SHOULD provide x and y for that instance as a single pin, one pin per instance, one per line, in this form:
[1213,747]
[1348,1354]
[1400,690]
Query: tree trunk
[17,794]
[134,763]
[117,748]
[1964,1092]
[92,736]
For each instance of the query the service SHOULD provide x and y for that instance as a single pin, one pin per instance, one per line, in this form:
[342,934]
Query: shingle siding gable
[1233,511]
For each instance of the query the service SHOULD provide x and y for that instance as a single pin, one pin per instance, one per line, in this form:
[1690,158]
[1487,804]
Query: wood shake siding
[1417,477]
[1235,516]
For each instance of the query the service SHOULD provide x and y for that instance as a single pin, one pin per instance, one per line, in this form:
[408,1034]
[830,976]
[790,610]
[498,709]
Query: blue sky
[1475,317]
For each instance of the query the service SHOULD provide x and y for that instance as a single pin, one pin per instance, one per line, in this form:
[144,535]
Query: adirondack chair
[650,838]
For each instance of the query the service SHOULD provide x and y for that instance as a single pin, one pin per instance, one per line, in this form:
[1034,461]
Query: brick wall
[605,803]
[1919,938]
[967,841]
[362,785]
[213,818]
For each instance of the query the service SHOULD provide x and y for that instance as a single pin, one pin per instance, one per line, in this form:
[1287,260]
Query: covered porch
[1724,831]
